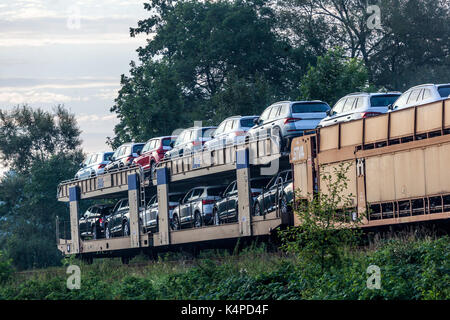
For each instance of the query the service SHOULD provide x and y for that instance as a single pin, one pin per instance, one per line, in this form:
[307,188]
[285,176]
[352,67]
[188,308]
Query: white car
[93,165]
[288,119]
[422,94]
[230,131]
[359,105]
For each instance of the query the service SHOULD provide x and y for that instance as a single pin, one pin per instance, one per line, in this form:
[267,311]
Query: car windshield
[208,132]
[175,197]
[444,91]
[259,183]
[215,191]
[166,142]
[106,155]
[247,122]
[137,147]
[384,100]
[309,107]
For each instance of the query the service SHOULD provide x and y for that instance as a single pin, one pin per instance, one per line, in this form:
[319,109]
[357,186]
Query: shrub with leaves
[328,222]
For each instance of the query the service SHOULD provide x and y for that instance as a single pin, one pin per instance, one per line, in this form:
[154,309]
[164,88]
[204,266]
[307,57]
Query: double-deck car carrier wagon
[238,162]
[398,174]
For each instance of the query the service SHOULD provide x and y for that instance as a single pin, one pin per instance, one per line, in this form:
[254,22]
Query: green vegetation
[410,269]
[42,148]
[328,222]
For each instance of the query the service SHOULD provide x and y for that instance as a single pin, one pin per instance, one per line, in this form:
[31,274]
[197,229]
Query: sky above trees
[48,56]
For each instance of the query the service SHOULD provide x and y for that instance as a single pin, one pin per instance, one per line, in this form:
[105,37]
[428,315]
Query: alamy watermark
[74,17]
[374,280]
[74,280]
[374,20]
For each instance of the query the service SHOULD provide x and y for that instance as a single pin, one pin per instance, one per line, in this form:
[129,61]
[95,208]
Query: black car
[279,192]
[226,209]
[118,223]
[92,223]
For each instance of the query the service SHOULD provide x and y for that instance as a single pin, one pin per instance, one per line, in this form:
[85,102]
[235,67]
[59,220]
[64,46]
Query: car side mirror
[212,136]
[390,107]
[256,121]
[138,152]
[82,165]
[328,112]
[172,143]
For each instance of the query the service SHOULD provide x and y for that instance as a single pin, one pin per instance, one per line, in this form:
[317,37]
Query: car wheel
[175,223]
[94,233]
[107,232]
[126,229]
[216,216]
[197,220]
[257,210]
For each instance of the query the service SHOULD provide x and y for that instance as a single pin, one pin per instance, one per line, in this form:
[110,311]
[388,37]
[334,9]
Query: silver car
[425,93]
[149,217]
[196,208]
[288,119]
[359,105]
[189,141]
[230,131]
[93,165]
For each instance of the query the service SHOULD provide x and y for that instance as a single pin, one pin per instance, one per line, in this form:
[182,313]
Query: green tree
[412,40]
[206,60]
[328,224]
[28,205]
[334,76]
[28,135]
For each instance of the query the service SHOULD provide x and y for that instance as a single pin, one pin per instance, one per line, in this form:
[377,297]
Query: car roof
[212,127]
[162,137]
[240,117]
[371,94]
[429,85]
[301,101]
[130,144]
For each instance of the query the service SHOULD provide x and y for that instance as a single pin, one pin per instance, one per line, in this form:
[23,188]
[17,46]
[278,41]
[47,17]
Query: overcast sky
[68,52]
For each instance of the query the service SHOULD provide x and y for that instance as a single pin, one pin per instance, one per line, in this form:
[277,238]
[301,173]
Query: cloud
[33,96]
[85,118]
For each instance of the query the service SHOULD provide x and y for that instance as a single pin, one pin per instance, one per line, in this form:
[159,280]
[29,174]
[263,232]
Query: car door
[218,135]
[117,216]
[335,113]
[271,121]
[231,201]
[83,222]
[262,124]
[196,196]
[272,194]
[147,212]
[85,171]
[184,211]
[94,212]
[222,203]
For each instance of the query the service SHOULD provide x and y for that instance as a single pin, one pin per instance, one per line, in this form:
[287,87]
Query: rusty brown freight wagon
[399,163]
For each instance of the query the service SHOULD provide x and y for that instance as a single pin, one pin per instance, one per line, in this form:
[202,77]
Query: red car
[153,152]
